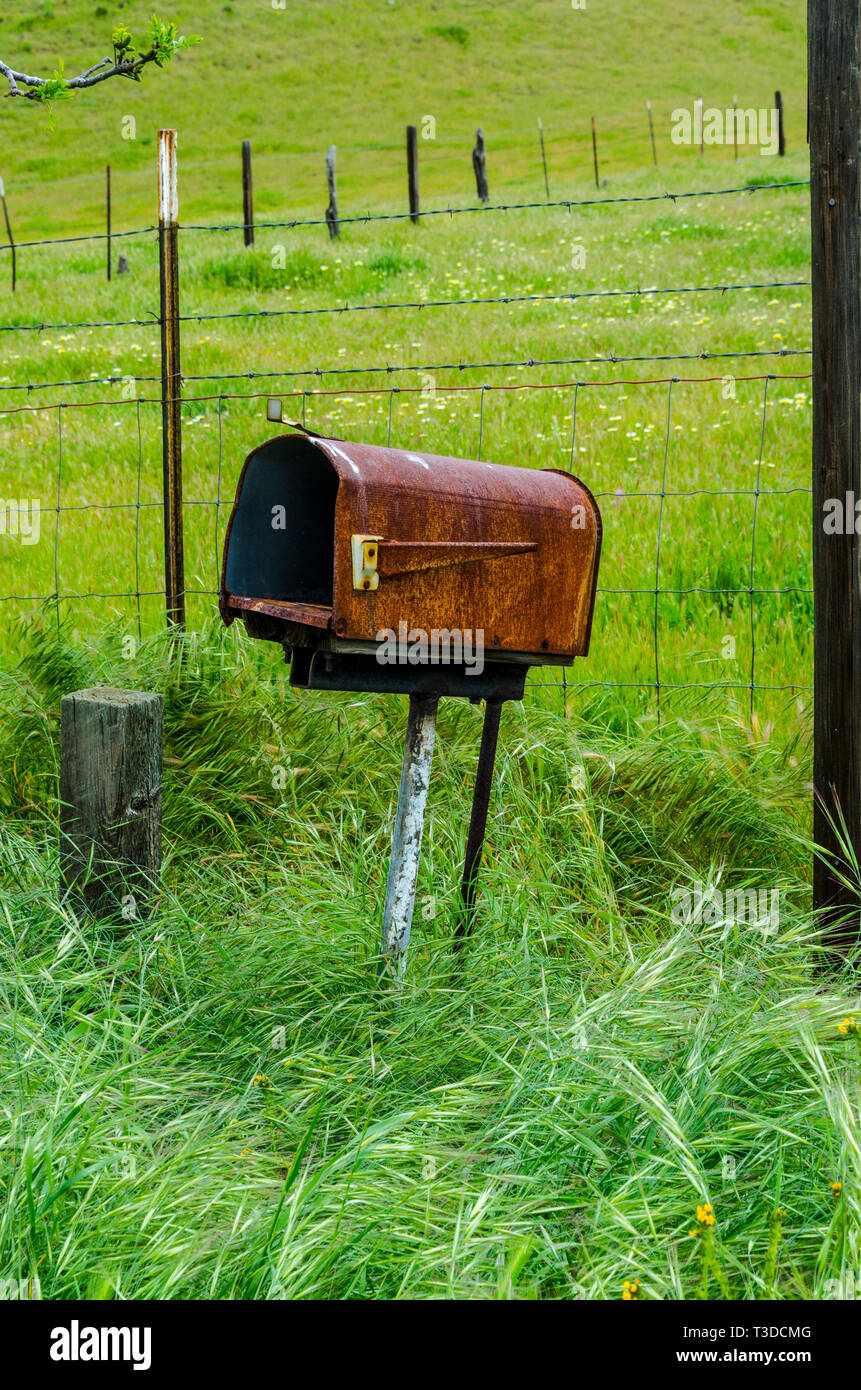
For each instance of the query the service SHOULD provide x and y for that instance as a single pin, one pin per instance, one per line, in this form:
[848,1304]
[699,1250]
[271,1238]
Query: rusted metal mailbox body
[331,543]
[332,548]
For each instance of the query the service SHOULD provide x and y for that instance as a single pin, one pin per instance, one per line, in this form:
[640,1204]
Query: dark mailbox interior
[293,559]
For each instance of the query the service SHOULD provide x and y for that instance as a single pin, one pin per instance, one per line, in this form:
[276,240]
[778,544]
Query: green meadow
[220,1101]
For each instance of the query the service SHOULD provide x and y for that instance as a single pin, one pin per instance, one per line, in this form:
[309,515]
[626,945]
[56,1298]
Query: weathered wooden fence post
[9,234]
[110,794]
[247,194]
[413,171]
[833,35]
[479,164]
[108,214]
[332,209]
[171,379]
[778,106]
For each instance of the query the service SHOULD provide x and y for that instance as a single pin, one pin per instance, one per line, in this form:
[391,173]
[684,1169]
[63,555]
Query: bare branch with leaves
[163,41]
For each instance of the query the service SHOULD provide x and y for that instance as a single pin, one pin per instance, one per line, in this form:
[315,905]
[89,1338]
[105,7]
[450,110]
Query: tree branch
[163,43]
[10,78]
[86,79]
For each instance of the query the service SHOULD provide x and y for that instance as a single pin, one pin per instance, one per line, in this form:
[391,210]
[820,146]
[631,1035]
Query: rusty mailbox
[388,570]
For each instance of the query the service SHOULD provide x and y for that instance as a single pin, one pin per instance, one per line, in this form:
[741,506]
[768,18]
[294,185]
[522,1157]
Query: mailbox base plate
[321,670]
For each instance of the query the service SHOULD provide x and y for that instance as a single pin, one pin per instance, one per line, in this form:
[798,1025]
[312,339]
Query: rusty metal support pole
[407,836]
[478,820]
[171,379]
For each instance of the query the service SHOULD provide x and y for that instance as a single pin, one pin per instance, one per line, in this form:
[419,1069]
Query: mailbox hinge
[365,551]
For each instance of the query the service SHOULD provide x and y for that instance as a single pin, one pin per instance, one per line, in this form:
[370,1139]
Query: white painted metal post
[407,837]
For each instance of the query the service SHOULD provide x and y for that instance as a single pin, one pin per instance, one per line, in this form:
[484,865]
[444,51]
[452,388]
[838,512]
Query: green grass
[545,1123]
[541,1124]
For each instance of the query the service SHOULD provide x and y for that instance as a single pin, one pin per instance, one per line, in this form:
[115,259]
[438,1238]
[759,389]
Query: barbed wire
[567,203]
[466,302]
[253,374]
[89,236]
[448,211]
[550,298]
[400,390]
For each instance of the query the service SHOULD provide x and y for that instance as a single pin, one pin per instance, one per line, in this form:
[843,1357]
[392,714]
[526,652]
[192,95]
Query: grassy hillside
[298,79]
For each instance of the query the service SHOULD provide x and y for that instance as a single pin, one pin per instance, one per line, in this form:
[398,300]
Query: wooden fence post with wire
[247,195]
[479,165]
[413,171]
[332,210]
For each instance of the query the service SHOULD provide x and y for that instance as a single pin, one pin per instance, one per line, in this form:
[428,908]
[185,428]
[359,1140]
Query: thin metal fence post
[108,217]
[171,379]
[595,153]
[652,134]
[543,157]
[9,235]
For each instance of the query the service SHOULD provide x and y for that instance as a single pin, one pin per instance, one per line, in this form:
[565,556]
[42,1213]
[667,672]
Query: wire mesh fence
[662,605]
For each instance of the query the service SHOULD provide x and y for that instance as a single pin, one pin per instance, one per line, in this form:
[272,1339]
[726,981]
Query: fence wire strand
[387,393]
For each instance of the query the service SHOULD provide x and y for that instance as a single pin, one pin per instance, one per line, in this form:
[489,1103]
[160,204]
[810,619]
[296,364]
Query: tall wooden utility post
[834,32]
